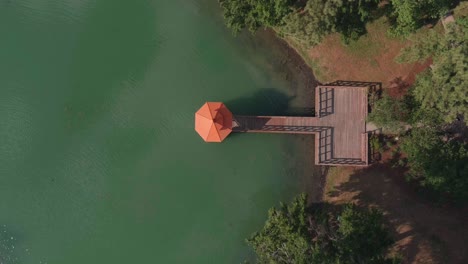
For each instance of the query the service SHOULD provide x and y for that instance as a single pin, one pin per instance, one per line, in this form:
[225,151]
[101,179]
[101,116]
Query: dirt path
[423,233]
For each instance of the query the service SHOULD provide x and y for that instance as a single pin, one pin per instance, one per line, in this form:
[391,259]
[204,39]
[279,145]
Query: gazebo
[213,122]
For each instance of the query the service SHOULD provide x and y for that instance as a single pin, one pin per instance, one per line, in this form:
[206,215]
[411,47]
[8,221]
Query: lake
[99,160]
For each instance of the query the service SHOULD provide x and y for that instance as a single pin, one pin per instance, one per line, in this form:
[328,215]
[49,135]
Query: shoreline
[303,82]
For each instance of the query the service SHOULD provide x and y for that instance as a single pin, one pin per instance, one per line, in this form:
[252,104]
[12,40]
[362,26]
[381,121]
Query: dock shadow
[267,101]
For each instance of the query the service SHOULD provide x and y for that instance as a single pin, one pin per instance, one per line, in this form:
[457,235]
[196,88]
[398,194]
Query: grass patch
[369,44]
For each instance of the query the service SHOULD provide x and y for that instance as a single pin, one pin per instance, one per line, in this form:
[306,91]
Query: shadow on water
[263,102]
[267,101]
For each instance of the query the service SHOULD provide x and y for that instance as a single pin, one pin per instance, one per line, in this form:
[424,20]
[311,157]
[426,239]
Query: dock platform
[339,125]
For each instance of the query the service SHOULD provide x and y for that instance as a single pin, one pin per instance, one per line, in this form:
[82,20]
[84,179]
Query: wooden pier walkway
[339,125]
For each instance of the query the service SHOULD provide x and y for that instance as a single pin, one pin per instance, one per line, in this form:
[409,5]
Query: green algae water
[99,160]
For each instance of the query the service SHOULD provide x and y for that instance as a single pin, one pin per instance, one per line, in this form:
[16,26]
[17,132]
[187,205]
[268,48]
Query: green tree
[284,238]
[252,14]
[390,113]
[363,238]
[323,235]
[409,15]
[322,17]
[440,166]
[444,85]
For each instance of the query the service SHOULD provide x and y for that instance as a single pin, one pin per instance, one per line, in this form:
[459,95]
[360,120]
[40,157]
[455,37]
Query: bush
[407,16]
[390,113]
[320,18]
[323,235]
[439,166]
[252,14]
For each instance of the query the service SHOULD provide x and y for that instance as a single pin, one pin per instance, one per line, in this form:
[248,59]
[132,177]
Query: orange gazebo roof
[213,122]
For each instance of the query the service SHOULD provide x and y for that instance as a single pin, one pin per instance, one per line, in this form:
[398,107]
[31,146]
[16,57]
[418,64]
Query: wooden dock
[339,125]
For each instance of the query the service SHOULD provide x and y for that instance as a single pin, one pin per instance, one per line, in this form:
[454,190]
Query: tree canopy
[284,238]
[407,16]
[444,85]
[252,14]
[390,113]
[292,234]
[320,18]
[441,166]
[306,21]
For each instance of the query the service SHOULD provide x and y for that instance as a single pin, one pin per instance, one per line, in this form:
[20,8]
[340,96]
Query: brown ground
[371,59]
[423,233]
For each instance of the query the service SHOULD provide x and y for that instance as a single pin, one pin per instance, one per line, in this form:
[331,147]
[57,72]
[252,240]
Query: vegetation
[308,23]
[444,85]
[390,113]
[253,14]
[441,166]
[407,16]
[323,235]
[320,18]
[438,99]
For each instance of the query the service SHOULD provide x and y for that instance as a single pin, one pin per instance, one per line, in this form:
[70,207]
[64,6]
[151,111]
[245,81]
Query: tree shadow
[352,25]
[398,87]
[415,222]
[384,9]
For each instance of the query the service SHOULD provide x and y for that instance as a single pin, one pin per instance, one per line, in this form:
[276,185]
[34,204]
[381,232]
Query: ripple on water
[17,128]
[43,12]
[85,169]
[8,247]
[174,121]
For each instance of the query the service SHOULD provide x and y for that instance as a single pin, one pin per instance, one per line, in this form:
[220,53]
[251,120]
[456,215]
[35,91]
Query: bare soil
[423,232]
[370,59]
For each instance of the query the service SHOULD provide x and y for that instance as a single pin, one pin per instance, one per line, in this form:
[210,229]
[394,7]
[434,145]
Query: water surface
[99,162]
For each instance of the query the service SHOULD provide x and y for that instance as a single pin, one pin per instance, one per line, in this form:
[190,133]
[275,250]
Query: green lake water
[99,161]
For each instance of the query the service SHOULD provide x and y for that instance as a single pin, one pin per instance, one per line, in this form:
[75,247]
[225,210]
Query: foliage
[324,235]
[429,117]
[252,14]
[440,96]
[375,143]
[443,90]
[440,166]
[390,113]
[284,237]
[444,86]
[320,18]
[425,45]
[407,16]
[363,238]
